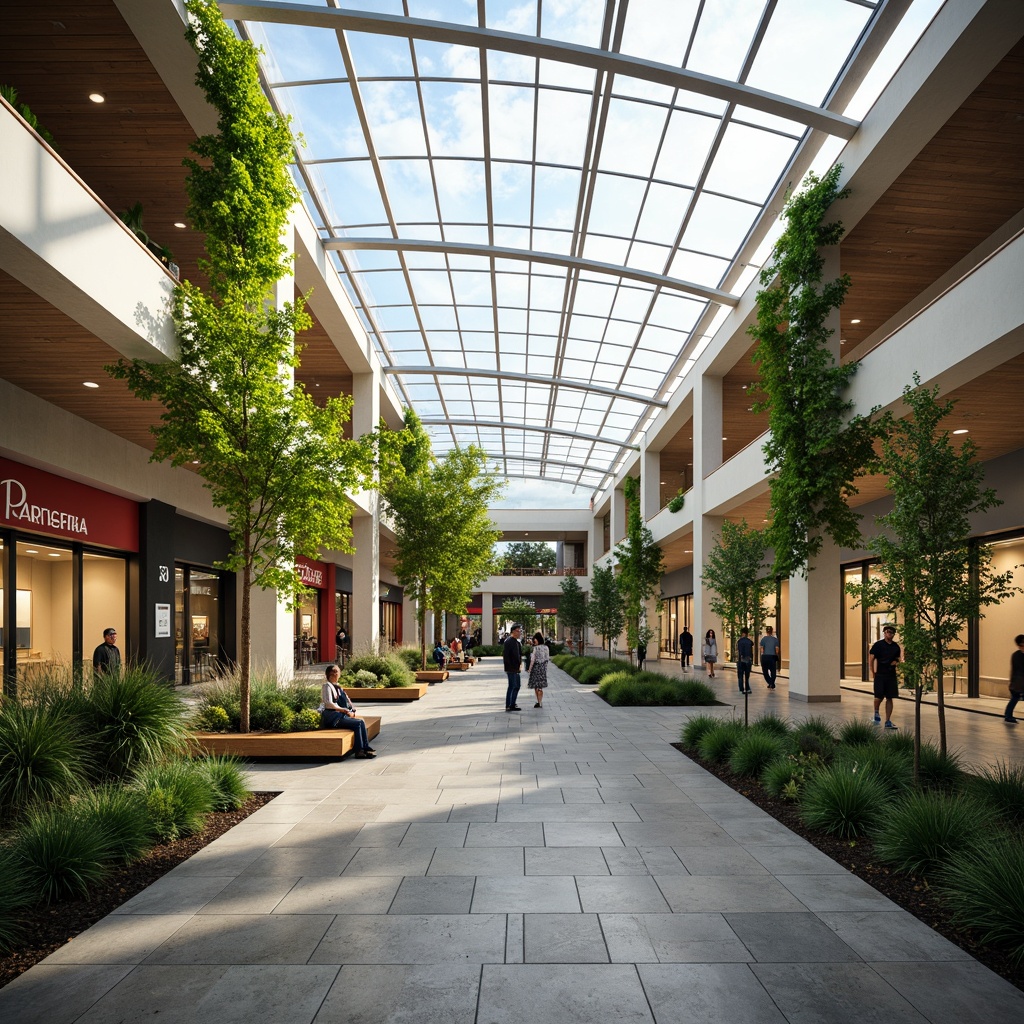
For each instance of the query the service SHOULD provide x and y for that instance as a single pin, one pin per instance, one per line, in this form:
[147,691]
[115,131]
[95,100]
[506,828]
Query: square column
[650,484]
[273,633]
[487,618]
[618,518]
[815,612]
[366,581]
[706,531]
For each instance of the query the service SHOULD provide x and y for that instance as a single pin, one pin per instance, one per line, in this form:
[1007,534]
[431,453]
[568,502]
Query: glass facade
[198,624]
[676,612]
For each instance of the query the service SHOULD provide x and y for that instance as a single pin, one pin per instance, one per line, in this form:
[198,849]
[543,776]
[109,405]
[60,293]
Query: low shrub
[651,689]
[61,852]
[785,778]
[211,718]
[486,651]
[694,693]
[306,720]
[771,724]
[389,669]
[592,674]
[816,726]
[903,742]
[121,815]
[1002,786]
[411,657]
[364,678]
[810,742]
[43,756]
[179,796]
[270,715]
[227,779]
[984,888]
[134,717]
[856,733]
[921,831]
[755,751]
[301,695]
[841,800]
[695,729]
[717,744]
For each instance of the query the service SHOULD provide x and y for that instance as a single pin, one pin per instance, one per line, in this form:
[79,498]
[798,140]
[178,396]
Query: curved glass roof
[542,209]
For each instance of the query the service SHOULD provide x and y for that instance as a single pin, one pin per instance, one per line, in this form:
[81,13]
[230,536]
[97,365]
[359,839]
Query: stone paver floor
[556,866]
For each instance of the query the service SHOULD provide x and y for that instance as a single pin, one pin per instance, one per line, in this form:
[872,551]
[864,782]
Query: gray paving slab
[488,867]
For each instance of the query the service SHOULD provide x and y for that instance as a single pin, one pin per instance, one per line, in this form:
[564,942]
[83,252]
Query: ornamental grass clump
[771,724]
[718,743]
[387,669]
[43,756]
[754,752]
[785,777]
[844,801]
[922,830]
[984,888]
[15,896]
[884,760]
[1002,786]
[133,717]
[227,780]
[856,733]
[121,815]
[696,728]
[61,852]
[179,796]
[940,771]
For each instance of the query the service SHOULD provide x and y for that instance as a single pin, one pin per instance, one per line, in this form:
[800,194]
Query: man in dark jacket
[512,657]
[106,659]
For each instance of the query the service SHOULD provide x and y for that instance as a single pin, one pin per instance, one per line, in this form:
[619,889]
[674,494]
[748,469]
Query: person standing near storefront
[885,656]
[685,647]
[1016,679]
[744,659]
[106,659]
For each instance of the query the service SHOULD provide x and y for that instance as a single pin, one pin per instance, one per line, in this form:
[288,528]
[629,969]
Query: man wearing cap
[512,656]
[885,656]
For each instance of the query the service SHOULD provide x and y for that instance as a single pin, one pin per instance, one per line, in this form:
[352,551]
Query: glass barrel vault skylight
[541,208]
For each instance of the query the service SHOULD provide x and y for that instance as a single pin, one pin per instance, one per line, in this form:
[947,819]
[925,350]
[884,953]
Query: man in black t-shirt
[885,656]
[106,659]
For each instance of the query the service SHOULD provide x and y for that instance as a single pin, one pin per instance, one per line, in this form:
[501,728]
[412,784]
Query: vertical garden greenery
[277,463]
[816,449]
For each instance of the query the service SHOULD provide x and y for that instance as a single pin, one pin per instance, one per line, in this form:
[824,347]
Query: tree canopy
[572,607]
[444,536]
[528,555]
[605,610]
[275,461]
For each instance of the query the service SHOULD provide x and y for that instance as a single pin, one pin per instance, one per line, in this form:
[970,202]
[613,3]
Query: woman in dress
[709,652]
[539,658]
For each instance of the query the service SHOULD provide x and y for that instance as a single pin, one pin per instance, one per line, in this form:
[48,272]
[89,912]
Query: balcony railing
[536,570]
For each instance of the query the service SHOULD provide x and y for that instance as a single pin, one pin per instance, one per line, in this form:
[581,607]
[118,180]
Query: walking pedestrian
[744,659]
[885,656]
[685,647]
[641,655]
[1016,679]
[709,652]
[770,650]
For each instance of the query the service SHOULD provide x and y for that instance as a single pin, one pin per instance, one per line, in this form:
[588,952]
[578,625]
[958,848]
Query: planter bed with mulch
[49,928]
[912,894]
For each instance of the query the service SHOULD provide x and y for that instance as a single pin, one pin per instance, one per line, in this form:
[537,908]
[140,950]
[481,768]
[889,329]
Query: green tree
[518,610]
[815,449]
[572,609]
[277,463]
[640,569]
[929,569]
[529,555]
[443,532]
[734,571]
[606,613]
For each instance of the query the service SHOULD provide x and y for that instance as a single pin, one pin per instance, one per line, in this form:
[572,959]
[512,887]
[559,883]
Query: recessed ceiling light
[662,482]
[89,384]
[54,554]
[97,97]
[179,224]
[31,551]
[687,551]
[962,430]
[854,321]
[725,439]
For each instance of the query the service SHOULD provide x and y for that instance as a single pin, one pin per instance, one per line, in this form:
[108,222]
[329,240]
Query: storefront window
[198,624]
[676,612]
[1002,622]
[854,647]
[44,619]
[104,599]
[390,624]
[307,629]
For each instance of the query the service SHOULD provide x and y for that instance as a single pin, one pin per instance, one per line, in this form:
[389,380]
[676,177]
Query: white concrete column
[272,627]
[706,531]
[707,427]
[410,636]
[487,618]
[650,483]
[618,521]
[365,583]
[814,618]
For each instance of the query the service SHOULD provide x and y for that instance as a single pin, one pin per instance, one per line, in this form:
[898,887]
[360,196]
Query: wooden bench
[315,743]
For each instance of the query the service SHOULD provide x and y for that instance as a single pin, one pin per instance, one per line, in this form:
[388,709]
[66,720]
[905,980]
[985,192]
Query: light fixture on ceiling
[31,551]
[179,224]
[97,97]
[854,321]
[54,554]
[725,439]
[962,430]
[89,384]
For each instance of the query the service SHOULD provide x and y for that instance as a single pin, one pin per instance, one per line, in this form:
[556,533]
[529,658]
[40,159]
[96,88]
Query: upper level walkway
[561,865]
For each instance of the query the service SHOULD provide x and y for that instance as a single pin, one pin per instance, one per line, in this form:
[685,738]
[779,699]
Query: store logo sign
[17,508]
[309,576]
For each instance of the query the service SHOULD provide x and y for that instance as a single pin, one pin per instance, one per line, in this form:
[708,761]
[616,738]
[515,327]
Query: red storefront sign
[312,574]
[40,502]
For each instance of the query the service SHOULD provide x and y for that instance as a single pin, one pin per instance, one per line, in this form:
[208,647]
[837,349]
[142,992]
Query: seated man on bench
[338,712]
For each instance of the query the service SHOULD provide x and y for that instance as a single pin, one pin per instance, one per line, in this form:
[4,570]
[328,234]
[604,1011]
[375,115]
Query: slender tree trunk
[421,618]
[245,640]
[918,691]
[940,696]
